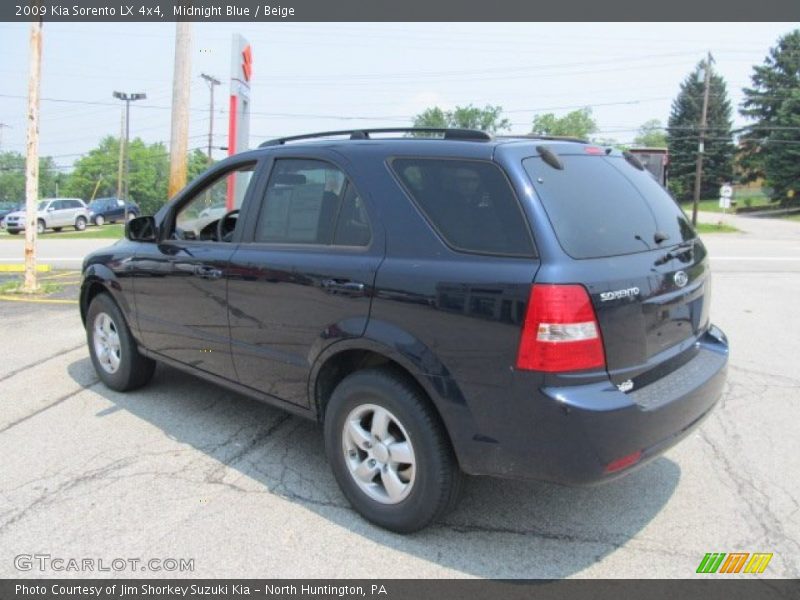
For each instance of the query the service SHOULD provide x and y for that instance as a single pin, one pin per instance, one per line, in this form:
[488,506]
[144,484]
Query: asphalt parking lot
[185,470]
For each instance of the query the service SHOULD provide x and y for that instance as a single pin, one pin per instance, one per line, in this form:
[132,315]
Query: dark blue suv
[111,210]
[457,303]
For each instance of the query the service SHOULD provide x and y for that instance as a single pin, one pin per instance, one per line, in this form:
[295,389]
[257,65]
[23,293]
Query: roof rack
[554,138]
[473,135]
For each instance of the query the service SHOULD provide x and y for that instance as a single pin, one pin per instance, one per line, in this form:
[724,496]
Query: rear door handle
[207,272]
[352,288]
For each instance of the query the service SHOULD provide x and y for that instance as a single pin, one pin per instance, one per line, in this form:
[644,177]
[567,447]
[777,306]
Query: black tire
[130,216]
[80,223]
[437,479]
[99,220]
[40,226]
[134,370]
[14,231]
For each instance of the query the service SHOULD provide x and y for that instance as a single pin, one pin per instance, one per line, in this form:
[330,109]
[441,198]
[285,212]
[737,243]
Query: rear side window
[469,202]
[311,202]
[603,206]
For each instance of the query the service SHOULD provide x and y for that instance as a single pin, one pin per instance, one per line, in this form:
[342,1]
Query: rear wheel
[80,223]
[115,357]
[99,220]
[388,451]
[131,216]
[40,227]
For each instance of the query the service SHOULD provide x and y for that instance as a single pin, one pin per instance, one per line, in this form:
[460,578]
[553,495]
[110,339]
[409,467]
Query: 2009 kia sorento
[522,307]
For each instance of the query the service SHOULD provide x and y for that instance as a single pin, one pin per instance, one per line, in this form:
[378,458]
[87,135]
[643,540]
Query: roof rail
[364,134]
[554,138]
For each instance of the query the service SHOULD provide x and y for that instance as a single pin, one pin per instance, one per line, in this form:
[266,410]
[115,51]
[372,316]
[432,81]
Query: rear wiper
[680,251]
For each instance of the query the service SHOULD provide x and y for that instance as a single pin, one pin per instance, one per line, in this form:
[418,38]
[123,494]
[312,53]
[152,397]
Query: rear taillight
[561,332]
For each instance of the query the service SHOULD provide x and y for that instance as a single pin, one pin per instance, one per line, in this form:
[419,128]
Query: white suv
[52,213]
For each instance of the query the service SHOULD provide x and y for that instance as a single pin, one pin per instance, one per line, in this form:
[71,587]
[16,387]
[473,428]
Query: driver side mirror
[141,229]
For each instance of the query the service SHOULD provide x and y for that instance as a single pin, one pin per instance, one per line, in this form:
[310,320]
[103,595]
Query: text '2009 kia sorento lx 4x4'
[532,308]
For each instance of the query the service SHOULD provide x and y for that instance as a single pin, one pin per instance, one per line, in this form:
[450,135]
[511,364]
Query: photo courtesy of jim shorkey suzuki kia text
[299,301]
[178,590]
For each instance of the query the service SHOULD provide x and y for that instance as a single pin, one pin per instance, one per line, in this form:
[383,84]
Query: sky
[320,76]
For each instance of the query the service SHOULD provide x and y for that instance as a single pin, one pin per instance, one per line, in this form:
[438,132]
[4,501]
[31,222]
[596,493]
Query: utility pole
[121,154]
[181,82]
[698,173]
[32,157]
[128,98]
[212,81]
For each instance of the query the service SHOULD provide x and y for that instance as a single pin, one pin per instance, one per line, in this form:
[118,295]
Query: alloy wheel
[378,453]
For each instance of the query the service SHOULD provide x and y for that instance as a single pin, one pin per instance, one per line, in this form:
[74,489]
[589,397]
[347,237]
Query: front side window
[469,202]
[197,219]
[311,202]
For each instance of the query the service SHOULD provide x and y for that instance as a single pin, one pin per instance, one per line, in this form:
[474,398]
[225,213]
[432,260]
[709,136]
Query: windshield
[604,206]
[43,205]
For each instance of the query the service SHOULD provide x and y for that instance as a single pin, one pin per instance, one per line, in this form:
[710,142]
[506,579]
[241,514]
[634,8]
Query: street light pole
[128,98]
[212,81]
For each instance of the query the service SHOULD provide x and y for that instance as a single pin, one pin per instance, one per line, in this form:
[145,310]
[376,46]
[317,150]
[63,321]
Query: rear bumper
[572,434]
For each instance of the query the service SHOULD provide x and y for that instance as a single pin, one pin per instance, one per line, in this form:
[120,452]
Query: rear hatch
[635,251]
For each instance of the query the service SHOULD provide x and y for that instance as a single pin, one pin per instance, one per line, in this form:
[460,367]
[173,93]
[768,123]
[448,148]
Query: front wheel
[99,220]
[131,216]
[113,350]
[80,223]
[389,452]
[40,226]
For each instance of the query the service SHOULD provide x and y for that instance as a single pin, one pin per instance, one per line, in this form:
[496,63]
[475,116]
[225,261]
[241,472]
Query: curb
[20,268]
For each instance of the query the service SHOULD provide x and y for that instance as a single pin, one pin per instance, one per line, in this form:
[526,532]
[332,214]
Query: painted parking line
[37,300]
[61,275]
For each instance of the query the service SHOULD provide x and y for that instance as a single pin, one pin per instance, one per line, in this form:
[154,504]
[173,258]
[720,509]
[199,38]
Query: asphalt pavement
[185,470]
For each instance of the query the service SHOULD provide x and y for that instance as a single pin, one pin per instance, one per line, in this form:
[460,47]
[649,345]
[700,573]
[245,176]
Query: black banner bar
[130,11]
[714,587]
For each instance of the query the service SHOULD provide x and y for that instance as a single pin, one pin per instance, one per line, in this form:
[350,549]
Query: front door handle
[207,272]
[344,286]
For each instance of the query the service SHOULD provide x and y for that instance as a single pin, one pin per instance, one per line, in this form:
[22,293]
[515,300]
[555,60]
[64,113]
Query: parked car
[52,213]
[525,307]
[111,210]
[9,207]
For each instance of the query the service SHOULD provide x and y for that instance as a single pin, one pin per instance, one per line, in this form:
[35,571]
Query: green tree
[489,118]
[683,136]
[12,177]
[651,135]
[766,147]
[97,168]
[578,123]
[149,173]
[782,152]
[198,162]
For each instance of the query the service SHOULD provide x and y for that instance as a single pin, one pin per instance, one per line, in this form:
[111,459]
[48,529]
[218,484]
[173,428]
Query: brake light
[561,332]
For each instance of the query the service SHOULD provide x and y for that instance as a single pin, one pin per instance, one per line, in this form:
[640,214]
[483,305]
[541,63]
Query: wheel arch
[99,279]
[348,356]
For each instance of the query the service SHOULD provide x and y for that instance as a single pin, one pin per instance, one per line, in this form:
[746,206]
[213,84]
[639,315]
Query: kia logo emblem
[681,278]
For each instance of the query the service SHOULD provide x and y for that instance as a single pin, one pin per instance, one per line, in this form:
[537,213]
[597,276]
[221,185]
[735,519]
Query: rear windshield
[604,206]
[469,202]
